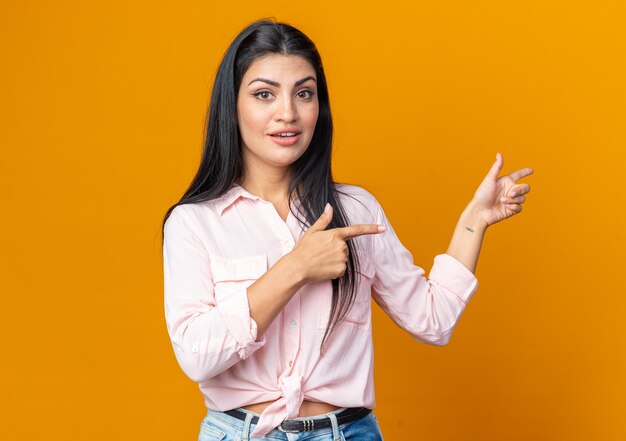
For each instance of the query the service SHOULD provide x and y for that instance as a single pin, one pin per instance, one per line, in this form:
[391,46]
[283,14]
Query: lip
[285,141]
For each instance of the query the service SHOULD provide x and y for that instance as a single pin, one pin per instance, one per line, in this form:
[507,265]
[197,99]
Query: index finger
[522,173]
[357,230]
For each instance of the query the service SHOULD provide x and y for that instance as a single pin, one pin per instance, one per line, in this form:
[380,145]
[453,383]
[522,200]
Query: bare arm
[495,199]
[467,238]
[268,295]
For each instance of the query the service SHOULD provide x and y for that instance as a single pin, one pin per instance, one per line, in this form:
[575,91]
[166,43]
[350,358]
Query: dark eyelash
[257,94]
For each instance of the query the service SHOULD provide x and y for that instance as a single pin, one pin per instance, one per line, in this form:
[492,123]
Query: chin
[285,162]
[287,157]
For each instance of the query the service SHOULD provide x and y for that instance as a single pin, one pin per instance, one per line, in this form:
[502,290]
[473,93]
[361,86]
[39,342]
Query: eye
[263,95]
[305,94]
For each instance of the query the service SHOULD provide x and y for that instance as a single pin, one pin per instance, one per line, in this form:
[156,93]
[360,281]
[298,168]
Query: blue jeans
[218,426]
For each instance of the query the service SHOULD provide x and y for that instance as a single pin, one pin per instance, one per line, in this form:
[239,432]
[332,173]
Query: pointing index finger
[357,230]
[521,173]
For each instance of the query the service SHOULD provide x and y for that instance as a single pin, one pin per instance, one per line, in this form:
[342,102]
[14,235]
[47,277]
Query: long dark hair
[311,181]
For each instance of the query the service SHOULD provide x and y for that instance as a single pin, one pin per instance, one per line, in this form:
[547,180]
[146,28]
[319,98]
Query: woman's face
[277,110]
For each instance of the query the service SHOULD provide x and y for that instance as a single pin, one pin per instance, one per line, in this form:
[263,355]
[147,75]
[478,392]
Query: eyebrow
[275,84]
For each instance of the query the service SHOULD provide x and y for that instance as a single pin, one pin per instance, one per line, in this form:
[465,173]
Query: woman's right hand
[323,254]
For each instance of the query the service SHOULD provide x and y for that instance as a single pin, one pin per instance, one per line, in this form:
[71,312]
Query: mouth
[285,133]
[285,137]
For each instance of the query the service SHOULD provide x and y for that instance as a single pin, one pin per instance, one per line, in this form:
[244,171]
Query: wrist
[296,271]
[472,220]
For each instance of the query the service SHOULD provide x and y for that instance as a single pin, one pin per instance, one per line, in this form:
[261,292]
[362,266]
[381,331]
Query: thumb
[324,219]
[494,171]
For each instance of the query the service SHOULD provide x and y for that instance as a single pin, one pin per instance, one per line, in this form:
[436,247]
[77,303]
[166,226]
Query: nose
[286,110]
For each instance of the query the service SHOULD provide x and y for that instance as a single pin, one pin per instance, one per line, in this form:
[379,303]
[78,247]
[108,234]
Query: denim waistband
[238,424]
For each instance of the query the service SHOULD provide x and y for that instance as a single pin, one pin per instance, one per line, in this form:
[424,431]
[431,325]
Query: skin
[321,254]
[262,109]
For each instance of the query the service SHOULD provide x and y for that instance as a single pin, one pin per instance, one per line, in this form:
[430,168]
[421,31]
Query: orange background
[101,124]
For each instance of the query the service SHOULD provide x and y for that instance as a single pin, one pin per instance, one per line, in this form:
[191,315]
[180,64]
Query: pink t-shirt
[214,250]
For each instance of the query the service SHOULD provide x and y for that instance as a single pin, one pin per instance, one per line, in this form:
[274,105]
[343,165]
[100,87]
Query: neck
[272,185]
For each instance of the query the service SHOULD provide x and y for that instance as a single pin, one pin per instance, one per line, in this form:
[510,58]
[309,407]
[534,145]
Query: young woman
[270,265]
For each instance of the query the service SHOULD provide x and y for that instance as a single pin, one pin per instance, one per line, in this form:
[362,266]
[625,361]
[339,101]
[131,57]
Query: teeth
[286,135]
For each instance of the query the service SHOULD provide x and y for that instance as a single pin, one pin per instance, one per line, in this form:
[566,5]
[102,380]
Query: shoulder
[357,201]
[351,191]
[191,215]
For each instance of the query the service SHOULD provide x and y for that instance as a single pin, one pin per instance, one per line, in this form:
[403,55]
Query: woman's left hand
[499,198]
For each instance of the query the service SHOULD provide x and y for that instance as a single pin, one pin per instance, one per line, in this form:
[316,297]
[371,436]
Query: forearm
[271,292]
[467,238]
